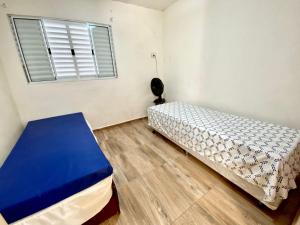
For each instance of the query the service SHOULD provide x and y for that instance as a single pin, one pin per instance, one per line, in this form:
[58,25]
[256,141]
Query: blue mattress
[53,159]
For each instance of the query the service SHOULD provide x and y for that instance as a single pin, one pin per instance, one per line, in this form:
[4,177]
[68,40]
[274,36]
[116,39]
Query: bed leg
[153,131]
[186,153]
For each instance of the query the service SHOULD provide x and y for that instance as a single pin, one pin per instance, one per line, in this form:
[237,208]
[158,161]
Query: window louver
[82,46]
[60,47]
[64,49]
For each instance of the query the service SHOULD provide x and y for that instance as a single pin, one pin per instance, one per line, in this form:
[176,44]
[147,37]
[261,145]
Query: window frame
[11,18]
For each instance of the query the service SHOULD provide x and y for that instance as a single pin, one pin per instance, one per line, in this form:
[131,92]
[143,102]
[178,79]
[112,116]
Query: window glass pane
[102,45]
[34,50]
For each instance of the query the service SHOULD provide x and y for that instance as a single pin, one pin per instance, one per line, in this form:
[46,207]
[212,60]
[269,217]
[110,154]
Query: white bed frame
[253,190]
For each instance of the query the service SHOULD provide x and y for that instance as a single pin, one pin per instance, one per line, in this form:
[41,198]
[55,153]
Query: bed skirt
[112,208]
[90,206]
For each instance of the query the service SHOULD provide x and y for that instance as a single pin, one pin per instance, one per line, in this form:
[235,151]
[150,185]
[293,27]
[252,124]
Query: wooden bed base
[108,211]
[253,190]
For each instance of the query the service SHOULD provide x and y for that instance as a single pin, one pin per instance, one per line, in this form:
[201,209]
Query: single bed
[55,174]
[261,158]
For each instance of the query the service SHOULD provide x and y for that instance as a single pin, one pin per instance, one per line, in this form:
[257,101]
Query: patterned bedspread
[262,153]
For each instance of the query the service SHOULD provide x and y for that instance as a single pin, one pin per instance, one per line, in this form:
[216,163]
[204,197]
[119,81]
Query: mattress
[263,154]
[54,159]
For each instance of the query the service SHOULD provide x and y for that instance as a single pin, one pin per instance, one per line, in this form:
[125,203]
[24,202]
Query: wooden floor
[159,184]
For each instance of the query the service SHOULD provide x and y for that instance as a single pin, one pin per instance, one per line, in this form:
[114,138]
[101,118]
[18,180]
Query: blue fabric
[53,159]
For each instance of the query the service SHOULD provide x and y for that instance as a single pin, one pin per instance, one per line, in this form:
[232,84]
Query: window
[53,49]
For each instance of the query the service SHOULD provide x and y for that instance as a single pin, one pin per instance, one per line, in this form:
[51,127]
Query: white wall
[237,56]
[137,32]
[10,123]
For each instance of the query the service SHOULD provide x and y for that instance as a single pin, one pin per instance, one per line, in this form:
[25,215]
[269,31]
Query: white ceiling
[153,4]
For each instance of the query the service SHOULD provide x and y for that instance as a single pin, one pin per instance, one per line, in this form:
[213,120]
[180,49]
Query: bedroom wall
[136,31]
[237,56]
[10,123]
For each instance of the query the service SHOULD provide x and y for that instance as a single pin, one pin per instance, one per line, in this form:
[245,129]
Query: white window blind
[82,46]
[60,48]
[71,50]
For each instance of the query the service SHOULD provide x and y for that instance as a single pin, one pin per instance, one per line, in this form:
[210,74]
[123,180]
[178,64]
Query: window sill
[70,80]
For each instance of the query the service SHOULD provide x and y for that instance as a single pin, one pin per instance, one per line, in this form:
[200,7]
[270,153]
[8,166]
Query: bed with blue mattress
[54,160]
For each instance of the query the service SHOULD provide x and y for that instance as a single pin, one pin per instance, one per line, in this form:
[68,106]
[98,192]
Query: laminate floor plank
[159,184]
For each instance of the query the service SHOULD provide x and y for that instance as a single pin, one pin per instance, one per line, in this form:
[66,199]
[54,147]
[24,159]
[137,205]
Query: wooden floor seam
[195,202]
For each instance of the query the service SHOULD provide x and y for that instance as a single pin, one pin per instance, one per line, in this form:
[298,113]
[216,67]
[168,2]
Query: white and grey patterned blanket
[264,154]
